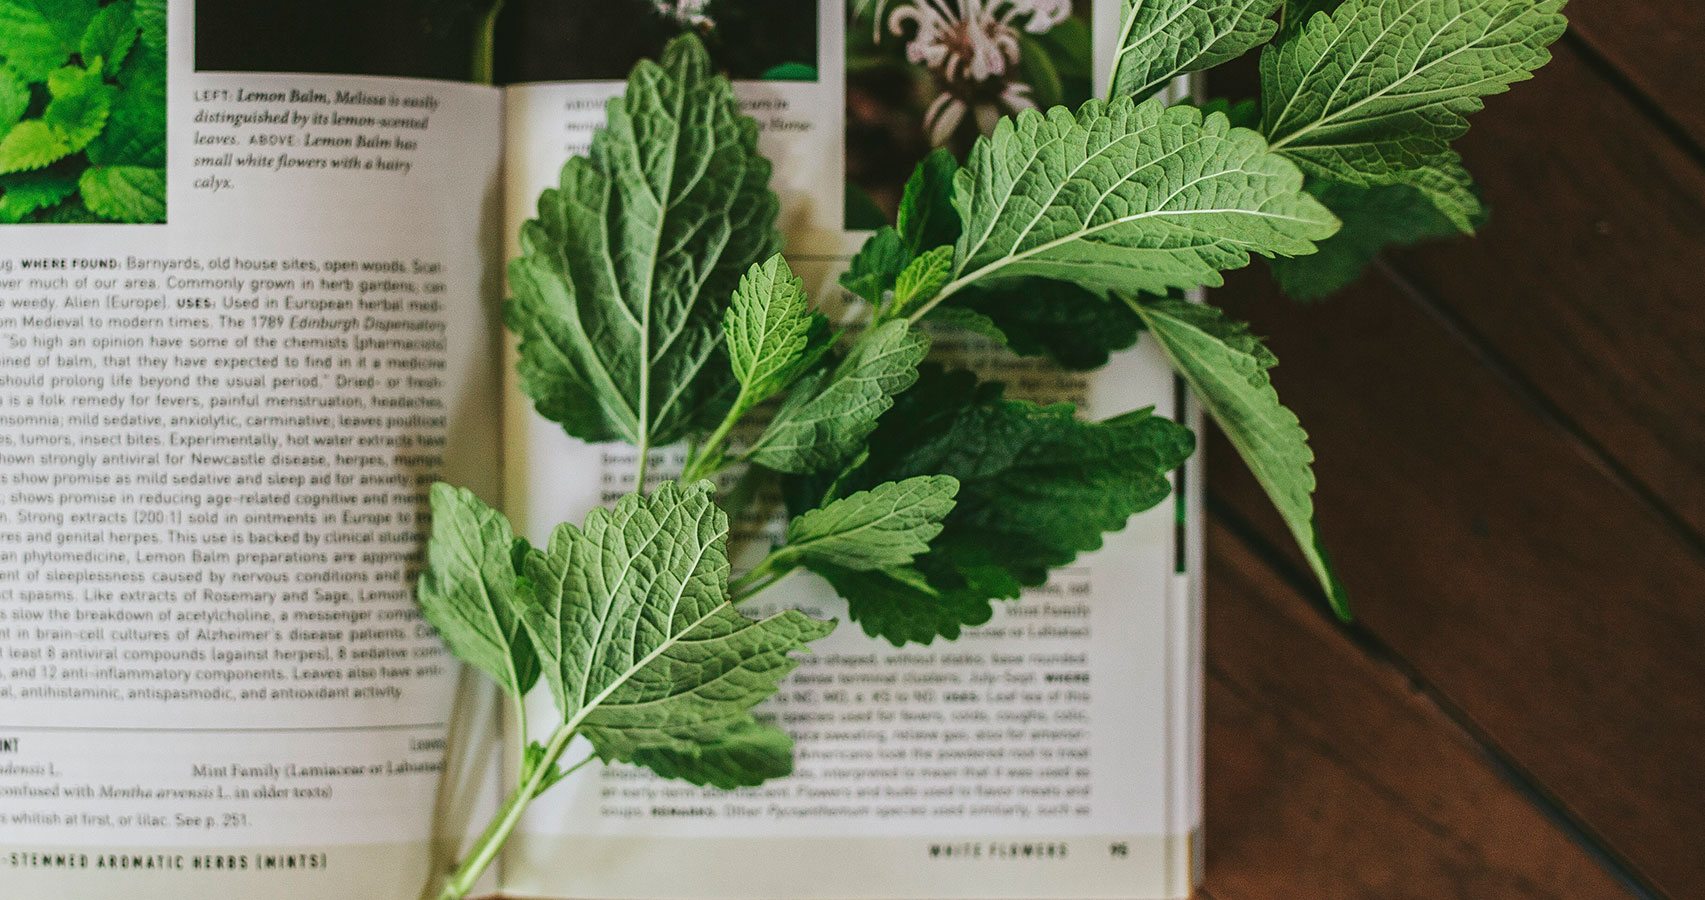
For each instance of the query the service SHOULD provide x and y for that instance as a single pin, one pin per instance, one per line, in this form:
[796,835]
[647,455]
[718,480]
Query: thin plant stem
[485,45]
[485,850]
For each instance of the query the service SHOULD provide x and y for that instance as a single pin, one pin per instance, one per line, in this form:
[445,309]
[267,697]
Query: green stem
[707,460]
[485,45]
[770,570]
[491,841]
[640,466]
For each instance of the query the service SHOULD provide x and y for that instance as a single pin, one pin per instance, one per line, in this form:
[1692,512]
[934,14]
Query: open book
[249,312]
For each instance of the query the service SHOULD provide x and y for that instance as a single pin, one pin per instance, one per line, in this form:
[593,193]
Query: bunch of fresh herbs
[653,308]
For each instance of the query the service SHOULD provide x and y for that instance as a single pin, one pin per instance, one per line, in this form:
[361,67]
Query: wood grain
[1329,777]
[1487,549]
[1654,45]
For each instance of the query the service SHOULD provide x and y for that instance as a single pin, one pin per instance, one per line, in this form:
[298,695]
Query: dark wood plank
[1655,45]
[1327,776]
[1536,594]
[1586,281]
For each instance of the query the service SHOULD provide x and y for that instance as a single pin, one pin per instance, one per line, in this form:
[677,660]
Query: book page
[1051,753]
[222,400]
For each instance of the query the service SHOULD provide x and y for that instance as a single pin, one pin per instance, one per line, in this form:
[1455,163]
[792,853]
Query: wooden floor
[1511,443]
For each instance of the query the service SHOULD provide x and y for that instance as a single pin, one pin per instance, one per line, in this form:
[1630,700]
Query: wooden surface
[1511,442]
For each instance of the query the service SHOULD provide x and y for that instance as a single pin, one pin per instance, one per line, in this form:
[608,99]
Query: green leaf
[1374,218]
[151,18]
[23,195]
[1160,40]
[888,525]
[877,265]
[626,273]
[921,281]
[470,590]
[1037,487]
[14,98]
[827,417]
[1242,113]
[746,755]
[1128,197]
[133,194]
[770,330]
[80,105]
[109,37]
[1036,317]
[31,144]
[642,647]
[1374,92]
[136,127]
[927,217]
[38,36]
[1227,368]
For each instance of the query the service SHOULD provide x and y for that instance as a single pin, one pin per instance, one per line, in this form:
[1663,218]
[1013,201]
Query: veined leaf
[642,647]
[1227,368]
[23,194]
[470,590]
[135,134]
[1374,92]
[31,144]
[133,194]
[746,755]
[1374,218]
[14,98]
[38,36]
[826,418]
[876,266]
[927,217]
[1160,40]
[109,37]
[770,329]
[921,281]
[889,525]
[80,103]
[1037,487]
[626,273]
[1128,197]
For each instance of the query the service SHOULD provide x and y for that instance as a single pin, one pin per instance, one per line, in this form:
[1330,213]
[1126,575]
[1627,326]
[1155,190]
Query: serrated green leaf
[771,331]
[1036,317]
[31,144]
[921,281]
[927,217]
[1297,13]
[746,755]
[826,418]
[38,36]
[14,98]
[1160,40]
[131,194]
[470,590]
[22,195]
[1374,92]
[642,647]
[1374,218]
[1037,487]
[151,19]
[109,37]
[80,103]
[1227,367]
[136,127]
[1128,197]
[888,525]
[626,273]
[877,265]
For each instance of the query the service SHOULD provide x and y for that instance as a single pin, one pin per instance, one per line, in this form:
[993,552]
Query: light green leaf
[80,103]
[24,194]
[1227,367]
[771,332]
[746,755]
[1037,487]
[876,266]
[826,418]
[887,525]
[626,273]
[470,592]
[109,37]
[133,194]
[30,145]
[1377,89]
[14,98]
[921,281]
[1374,218]
[1128,197]
[1160,40]
[38,36]
[642,647]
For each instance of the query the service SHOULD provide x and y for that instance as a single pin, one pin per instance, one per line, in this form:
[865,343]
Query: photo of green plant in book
[653,308]
[923,74]
[82,111]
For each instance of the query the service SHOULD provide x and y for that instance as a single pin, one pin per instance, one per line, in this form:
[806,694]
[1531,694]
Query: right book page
[1051,753]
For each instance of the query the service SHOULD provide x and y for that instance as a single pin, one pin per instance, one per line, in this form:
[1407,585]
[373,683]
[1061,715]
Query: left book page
[245,321]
